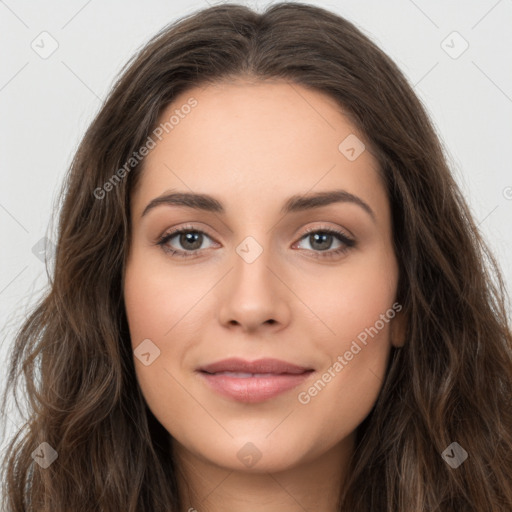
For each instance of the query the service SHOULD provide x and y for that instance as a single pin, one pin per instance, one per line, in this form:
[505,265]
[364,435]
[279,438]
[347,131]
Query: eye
[320,240]
[188,238]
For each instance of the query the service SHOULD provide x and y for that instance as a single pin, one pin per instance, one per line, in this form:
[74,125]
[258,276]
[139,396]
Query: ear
[398,328]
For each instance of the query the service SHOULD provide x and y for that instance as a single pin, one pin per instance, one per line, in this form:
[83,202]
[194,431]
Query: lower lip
[254,389]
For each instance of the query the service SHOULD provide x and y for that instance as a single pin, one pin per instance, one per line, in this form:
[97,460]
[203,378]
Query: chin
[259,455]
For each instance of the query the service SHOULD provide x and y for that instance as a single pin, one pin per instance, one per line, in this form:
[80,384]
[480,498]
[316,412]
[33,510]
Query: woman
[255,369]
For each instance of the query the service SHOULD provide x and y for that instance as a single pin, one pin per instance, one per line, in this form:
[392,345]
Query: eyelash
[349,242]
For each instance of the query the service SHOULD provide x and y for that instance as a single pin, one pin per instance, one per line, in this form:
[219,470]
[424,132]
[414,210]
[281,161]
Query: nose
[254,295]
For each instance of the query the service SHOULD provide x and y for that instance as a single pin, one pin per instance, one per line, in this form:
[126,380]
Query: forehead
[255,142]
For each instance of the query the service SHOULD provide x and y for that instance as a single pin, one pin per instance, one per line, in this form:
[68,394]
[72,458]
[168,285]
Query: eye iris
[323,236]
[191,237]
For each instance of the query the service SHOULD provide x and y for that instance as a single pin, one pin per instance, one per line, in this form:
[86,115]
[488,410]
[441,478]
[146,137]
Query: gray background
[47,103]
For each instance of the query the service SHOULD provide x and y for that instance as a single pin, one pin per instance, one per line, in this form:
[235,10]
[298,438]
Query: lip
[271,377]
[265,365]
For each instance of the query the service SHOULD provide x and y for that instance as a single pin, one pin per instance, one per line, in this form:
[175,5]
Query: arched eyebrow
[296,203]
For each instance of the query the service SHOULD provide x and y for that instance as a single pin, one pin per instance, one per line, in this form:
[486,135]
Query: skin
[251,145]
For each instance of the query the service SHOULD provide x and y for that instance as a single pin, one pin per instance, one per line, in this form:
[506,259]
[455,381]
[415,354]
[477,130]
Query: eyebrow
[296,203]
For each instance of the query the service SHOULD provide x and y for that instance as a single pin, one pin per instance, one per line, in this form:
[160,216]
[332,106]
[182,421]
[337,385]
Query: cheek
[156,306]
[157,297]
[162,305]
[348,386]
[352,300]
[356,308]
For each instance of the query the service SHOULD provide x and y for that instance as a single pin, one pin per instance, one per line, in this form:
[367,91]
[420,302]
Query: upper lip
[265,365]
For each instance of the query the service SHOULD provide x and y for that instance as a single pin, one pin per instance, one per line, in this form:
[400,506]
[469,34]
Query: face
[261,270]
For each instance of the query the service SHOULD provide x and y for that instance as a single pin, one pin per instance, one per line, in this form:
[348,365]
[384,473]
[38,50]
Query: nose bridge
[253,294]
[252,278]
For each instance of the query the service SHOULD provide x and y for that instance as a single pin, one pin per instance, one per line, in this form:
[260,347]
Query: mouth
[252,382]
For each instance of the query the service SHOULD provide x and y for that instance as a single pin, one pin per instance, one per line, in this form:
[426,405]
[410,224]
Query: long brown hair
[450,382]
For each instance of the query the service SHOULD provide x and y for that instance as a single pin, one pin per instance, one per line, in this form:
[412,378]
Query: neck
[311,485]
